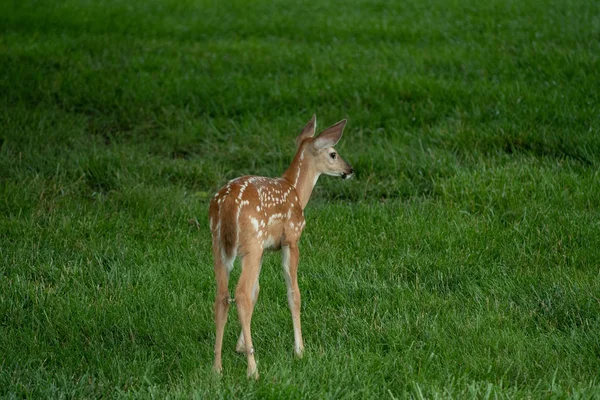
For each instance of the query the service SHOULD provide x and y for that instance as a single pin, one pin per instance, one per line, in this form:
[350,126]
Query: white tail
[252,214]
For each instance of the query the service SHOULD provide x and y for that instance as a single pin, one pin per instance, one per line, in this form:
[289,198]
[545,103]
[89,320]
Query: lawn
[462,261]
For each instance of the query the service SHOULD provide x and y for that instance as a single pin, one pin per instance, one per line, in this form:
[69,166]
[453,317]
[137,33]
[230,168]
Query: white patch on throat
[315,180]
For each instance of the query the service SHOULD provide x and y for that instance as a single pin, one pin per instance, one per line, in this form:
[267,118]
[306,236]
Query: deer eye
[333,155]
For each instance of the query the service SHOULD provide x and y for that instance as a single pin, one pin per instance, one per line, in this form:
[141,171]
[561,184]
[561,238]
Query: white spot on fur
[254,223]
[298,173]
[274,217]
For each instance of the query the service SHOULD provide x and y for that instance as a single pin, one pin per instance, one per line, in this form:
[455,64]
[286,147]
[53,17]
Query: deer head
[319,150]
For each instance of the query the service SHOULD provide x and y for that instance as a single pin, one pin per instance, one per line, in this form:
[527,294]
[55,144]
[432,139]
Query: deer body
[252,214]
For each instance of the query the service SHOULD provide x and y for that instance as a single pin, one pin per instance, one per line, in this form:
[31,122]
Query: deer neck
[303,176]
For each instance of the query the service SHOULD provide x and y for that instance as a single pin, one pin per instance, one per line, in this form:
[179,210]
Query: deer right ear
[308,131]
[330,136]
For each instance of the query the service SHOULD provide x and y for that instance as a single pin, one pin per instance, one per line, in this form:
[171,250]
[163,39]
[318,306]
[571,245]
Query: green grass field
[463,261]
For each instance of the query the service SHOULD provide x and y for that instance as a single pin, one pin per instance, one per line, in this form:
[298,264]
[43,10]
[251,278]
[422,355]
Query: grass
[462,261]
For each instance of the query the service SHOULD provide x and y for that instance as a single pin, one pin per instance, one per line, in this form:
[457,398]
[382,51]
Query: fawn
[252,214]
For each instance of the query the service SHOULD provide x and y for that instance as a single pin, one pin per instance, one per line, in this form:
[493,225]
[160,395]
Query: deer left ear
[330,136]
[308,131]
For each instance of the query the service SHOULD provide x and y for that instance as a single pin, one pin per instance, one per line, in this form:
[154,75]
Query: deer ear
[330,136]
[308,131]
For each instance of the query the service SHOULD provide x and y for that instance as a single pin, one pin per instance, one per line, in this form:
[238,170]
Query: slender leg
[240,347]
[245,306]
[290,257]
[221,305]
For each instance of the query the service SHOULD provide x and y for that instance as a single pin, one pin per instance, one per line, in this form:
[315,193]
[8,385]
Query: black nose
[346,175]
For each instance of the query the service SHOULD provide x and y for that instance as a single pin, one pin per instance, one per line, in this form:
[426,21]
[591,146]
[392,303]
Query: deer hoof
[253,374]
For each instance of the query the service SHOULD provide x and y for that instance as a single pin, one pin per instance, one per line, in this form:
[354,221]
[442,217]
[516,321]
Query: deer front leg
[290,255]
[245,306]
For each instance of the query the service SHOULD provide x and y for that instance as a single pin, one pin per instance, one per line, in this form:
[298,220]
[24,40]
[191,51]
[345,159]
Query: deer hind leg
[245,294]
[290,256]
[222,270]
[240,347]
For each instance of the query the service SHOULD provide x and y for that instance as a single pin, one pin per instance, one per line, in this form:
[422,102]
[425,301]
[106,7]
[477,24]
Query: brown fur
[252,214]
